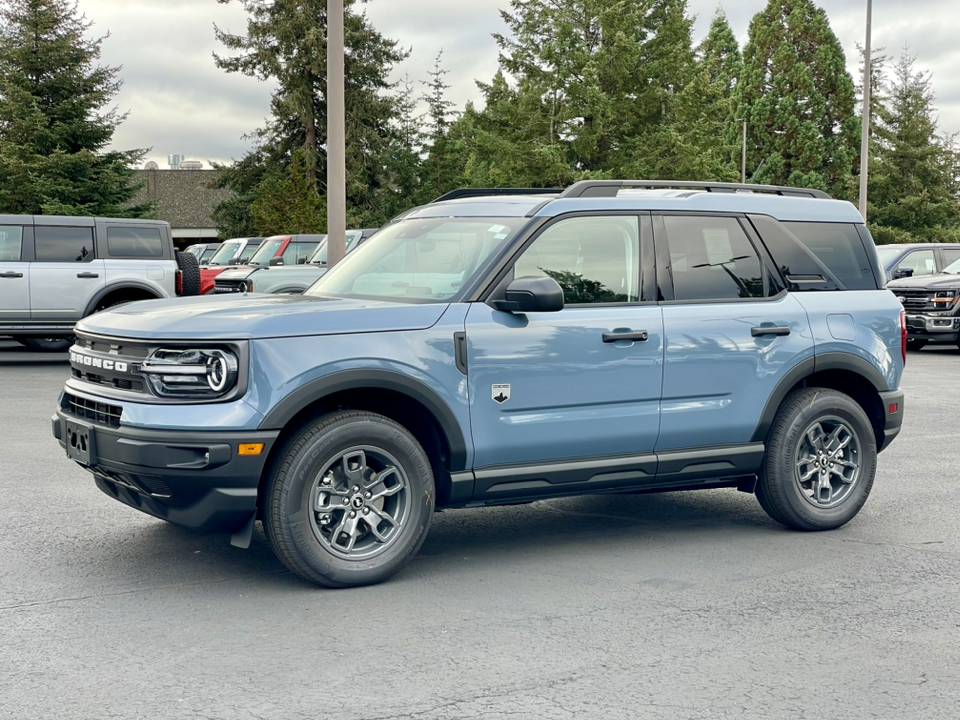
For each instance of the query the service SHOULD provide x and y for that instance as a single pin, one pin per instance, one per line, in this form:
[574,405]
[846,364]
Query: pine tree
[286,42]
[54,129]
[914,181]
[438,176]
[798,100]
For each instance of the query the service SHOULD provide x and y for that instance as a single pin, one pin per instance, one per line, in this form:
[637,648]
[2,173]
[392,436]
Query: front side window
[419,259]
[594,259]
[208,254]
[920,262]
[246,254]
[134,242]
[711,258]
[64,244]
[11,243]
[297,253]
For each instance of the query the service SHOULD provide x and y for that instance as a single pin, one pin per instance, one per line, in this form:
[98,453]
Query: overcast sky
[179,102]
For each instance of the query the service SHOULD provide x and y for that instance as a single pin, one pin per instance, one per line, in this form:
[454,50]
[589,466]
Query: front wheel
[350,500]
[820,462]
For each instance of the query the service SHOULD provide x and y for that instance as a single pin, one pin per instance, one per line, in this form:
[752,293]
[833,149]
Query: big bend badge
[501,393]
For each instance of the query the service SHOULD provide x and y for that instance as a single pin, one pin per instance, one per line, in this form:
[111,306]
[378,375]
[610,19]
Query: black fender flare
[819,363]
[285,410]
[126,285]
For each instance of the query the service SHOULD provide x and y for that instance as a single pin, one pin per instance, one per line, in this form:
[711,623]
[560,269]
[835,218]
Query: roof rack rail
[482,192]
[609,188]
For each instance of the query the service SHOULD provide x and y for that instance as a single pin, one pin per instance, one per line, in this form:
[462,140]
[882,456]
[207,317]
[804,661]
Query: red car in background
[236,251]
[274,250]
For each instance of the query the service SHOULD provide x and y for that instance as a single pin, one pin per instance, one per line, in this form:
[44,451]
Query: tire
[20,339]
[792,454]
[321,467]
[50,345]
[916,344]
[190,273]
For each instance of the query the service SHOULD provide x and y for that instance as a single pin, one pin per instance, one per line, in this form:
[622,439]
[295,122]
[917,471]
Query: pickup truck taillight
[178,286]
[903,335]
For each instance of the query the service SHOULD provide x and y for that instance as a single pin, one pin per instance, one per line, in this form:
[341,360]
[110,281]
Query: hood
[939,281]
[241,317]
[240,273]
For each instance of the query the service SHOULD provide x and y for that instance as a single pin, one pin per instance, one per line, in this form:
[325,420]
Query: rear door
[66,274]
[731,331]
[138,254]
[15,250]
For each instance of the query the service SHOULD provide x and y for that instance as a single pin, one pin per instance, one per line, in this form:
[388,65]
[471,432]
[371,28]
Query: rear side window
[11,242]
[839,248]
[64,244]
[798,265]
[131,242]
[711,258]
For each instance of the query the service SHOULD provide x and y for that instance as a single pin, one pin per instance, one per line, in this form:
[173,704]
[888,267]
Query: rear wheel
[51,345]
[820,462]
[350,501]
[915,344]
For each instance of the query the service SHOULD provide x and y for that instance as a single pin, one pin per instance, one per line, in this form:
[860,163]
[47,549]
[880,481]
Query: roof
[782,208]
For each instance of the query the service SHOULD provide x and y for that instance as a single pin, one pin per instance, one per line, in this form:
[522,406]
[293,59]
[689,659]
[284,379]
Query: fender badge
[501,393]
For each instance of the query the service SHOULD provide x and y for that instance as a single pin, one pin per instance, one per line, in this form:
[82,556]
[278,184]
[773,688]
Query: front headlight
[191,373]
[945,293]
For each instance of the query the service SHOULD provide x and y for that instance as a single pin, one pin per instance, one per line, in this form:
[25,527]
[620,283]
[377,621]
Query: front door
[66,275]
[560,386]
[14,276]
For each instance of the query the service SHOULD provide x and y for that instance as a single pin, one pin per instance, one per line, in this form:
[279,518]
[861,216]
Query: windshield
[266,251]
[193,250]
[225,254]
[418,260]
[888,255]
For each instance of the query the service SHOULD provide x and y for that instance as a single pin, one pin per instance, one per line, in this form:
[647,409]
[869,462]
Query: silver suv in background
[56,270]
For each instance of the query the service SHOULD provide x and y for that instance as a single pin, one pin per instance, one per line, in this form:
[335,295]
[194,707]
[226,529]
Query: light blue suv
[617,337]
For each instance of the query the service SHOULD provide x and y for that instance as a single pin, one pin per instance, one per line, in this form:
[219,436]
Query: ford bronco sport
[55,270]
[620,337]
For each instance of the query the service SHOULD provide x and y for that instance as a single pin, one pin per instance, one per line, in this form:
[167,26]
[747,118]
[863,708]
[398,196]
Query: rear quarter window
[134,242]
[839,247]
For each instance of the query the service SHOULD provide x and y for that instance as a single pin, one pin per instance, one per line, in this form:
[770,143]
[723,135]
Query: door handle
[617,335]
[88,275]
[11,275]
[769,330]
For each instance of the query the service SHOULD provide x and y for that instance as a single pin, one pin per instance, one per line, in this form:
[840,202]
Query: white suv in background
[56,270]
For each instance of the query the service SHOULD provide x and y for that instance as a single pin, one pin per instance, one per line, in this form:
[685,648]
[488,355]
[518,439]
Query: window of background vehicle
[208,254]
[921,262]
[418,259]
[224,254]
[247,253]
[839,247]
[297,253]
[266,251]
[11,243]
[142,242]
[887,255]
[594,259]
[950,255]
[711,258]
[64,244]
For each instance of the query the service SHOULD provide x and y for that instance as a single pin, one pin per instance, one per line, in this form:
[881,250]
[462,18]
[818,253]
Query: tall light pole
[865,120]
[336,137]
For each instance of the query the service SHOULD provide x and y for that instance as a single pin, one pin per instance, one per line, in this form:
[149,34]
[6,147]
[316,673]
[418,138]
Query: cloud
[179,102]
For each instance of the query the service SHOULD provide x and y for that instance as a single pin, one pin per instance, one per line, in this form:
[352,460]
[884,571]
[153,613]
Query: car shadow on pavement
[13,353]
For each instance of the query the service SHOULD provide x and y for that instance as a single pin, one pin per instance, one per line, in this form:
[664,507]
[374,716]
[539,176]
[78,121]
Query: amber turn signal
[250,449]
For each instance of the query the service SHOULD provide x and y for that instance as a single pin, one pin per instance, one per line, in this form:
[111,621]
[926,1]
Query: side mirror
[275,261]
[902,273]
[302,261]
[532,294]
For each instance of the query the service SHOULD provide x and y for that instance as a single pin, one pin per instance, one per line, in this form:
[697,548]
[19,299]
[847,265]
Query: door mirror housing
[531,294]
[275,261]
[902,273]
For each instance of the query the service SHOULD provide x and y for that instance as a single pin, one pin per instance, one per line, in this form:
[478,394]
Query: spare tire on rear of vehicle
[189,273]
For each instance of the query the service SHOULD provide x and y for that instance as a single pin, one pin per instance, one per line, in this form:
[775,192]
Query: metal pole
[336,137]
[743,159]
[865,120]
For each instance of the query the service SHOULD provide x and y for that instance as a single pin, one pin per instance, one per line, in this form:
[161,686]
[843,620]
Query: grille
[916,300]
[221,287]
[119,383]
[98,412]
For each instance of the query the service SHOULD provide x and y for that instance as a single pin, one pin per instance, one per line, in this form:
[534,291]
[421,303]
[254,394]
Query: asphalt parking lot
[686,605]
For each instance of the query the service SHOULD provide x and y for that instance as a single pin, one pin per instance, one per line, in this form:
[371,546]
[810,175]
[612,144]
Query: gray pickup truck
[56,270]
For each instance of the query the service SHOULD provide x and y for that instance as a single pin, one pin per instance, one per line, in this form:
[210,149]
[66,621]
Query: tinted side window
[246,254]
[142,242]
[64,244]
[798,265]
[11,242]
[594,259]
[711,258]
[838,246]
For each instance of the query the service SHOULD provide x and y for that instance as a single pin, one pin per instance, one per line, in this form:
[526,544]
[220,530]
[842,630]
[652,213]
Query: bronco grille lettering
[80,359]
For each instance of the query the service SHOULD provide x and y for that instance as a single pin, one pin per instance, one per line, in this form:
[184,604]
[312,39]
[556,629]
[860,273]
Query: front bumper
[193,479]
[933,328]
